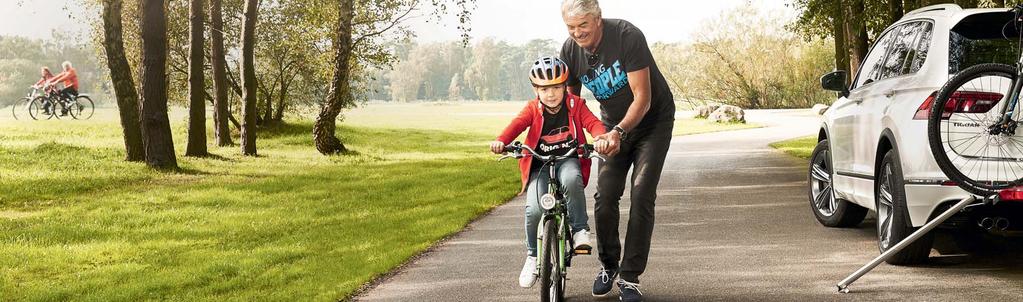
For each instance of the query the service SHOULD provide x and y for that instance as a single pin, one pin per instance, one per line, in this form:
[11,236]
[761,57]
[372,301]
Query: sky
[516,21]
[522,20]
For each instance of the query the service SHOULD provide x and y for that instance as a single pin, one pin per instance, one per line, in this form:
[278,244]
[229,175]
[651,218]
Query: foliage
[747,58]
[490,69]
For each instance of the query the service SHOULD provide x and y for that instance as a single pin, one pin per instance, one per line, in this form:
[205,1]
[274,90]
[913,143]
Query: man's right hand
[497,147]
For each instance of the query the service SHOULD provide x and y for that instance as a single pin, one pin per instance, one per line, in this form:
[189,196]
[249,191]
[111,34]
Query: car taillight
[1011,194]
[960,102]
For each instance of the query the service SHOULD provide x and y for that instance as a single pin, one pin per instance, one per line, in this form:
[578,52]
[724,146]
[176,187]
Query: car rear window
[981,38]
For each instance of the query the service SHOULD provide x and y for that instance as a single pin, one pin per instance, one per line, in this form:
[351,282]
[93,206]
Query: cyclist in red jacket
[556,120]
[70,79]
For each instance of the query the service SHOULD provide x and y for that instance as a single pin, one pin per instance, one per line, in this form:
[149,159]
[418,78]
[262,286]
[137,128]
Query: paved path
[733,223]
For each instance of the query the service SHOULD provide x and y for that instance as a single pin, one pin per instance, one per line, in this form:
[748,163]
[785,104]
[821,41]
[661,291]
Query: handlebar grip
[513,147]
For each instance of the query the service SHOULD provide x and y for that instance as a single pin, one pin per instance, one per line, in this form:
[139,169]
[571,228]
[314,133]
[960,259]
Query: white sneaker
[582,240]
[528,275]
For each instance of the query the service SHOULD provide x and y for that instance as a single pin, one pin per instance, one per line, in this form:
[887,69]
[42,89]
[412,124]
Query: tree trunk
[838,32]
[894,11]
[124,86]
[279,115]
[220,86]
[269,112]
[196,82]
[339,95]
[249,79]
[856,32]
[156,132]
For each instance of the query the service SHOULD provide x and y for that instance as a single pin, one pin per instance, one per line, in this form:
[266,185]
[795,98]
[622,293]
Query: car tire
[828,209]
[893,223]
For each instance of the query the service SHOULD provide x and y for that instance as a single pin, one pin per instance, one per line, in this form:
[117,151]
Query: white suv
[873,151]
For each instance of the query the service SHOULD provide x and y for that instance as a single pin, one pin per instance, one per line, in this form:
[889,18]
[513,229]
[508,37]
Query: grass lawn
[78,223]
[686,126]
[798,147]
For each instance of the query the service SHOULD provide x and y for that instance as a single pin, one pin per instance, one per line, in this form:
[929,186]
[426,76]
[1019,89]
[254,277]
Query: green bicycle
[554,239]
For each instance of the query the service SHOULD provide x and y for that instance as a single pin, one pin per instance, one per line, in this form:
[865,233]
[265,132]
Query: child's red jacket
[579,117]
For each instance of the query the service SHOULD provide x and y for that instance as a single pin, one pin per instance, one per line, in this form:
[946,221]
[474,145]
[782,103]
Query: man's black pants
[644,151]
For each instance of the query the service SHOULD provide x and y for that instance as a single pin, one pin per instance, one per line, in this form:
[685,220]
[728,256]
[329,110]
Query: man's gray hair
[580,7]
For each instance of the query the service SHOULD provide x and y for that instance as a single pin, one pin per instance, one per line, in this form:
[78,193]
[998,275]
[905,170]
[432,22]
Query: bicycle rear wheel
[21,104]
[37,109]
[82,108]
[963,112]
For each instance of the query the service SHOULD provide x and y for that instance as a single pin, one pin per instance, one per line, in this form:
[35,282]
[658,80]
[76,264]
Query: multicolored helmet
[547,71]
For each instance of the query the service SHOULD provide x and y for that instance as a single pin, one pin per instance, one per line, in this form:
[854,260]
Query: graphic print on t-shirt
[556,141]
[605,81]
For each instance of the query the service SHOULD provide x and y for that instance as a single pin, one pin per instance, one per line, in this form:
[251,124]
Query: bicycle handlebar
[516,149]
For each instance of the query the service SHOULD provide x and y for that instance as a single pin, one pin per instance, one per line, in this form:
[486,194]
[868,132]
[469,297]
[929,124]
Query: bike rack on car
[1013,194]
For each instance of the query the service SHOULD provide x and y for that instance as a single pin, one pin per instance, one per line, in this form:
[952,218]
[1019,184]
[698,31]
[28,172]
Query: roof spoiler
[936,7]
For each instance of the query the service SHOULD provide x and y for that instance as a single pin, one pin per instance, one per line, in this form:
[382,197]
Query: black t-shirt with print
[622,49]
[556,136]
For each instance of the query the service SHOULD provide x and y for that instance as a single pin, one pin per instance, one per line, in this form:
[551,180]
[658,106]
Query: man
[70,79]
[611,58]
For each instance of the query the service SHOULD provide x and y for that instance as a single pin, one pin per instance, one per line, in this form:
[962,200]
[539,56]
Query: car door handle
[891,93]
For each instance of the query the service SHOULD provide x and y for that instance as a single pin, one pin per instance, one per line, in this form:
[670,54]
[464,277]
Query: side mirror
[835,81]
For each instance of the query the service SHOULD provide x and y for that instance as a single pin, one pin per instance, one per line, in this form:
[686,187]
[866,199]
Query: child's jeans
[571,180]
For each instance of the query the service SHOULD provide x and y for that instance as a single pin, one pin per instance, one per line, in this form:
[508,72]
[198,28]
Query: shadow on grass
[218,157]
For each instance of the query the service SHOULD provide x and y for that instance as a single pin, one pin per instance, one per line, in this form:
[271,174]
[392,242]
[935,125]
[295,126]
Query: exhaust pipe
[986,223]
[1001,223]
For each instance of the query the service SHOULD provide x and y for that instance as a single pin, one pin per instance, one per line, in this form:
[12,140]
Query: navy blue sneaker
[629,291]
[604,282]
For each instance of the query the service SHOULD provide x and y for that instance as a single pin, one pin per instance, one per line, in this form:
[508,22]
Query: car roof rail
[936,7]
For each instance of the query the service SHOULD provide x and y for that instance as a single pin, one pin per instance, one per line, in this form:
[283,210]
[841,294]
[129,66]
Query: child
[41,84]
[555,119]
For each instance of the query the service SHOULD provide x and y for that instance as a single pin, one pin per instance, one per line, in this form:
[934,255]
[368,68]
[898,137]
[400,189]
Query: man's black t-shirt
[556,137]
[622,49]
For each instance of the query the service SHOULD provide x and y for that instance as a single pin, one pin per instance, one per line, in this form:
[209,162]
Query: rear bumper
[923,198]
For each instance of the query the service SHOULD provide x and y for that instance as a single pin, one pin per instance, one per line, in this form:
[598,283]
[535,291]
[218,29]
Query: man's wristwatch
[621,131]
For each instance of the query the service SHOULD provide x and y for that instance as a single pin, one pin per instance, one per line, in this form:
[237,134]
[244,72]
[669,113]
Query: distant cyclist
[70,79]
[47,75]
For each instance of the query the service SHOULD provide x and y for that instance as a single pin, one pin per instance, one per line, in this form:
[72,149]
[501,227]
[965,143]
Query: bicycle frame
[1009,109]
[558,213]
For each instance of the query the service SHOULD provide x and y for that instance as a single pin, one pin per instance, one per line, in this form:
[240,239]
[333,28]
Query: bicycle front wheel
[971,130]
[82,108]
[550,268]
[39,109]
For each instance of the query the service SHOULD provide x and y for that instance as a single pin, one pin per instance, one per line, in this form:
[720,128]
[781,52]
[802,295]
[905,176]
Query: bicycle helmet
[547,71]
